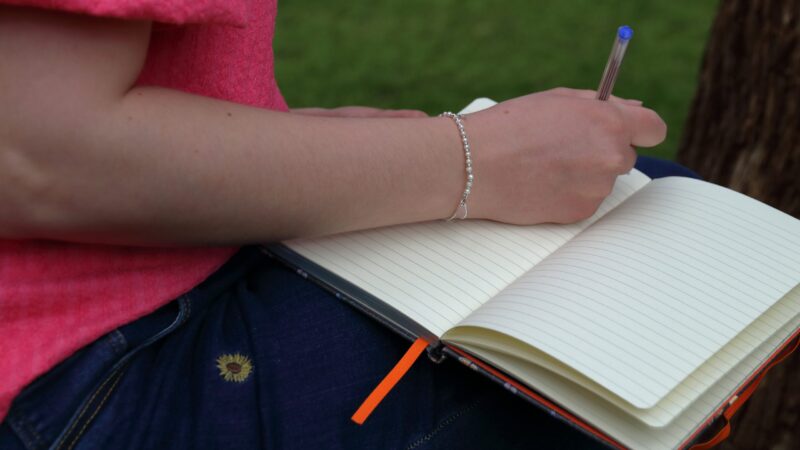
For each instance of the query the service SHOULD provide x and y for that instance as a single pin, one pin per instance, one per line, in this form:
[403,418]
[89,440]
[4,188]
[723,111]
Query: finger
[403,113]
[629,162]
[311,111]
[627,101]
[590,94]
[344,111]
[359,112]
[362,111]
[646,127]
[367,111]
[356,111]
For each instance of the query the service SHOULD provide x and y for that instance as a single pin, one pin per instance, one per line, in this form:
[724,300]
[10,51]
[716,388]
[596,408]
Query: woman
[142,143]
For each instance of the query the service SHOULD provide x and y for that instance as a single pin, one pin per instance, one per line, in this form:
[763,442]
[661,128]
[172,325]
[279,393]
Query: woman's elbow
[26,196]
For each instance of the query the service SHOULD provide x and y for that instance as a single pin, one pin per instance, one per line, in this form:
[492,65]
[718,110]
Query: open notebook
[640,322]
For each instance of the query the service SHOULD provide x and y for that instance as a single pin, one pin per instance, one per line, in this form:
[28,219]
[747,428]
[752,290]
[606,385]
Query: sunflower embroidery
[234,368]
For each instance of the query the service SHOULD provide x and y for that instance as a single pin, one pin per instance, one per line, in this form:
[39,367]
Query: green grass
[438,55]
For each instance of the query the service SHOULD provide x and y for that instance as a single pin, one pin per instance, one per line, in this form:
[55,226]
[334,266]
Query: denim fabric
[156,383]
[658,168]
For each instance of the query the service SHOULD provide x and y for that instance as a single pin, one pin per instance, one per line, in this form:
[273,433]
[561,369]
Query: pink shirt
[58,297]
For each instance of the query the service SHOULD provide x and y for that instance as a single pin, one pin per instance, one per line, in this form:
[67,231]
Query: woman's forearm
[85,156]
[161,166]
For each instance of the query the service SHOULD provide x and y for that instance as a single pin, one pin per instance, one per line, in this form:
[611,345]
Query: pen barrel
[612,68]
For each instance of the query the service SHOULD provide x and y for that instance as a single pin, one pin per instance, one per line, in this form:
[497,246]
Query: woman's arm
[85,156]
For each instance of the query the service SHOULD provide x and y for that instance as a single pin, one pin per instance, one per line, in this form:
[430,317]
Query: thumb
[647,129]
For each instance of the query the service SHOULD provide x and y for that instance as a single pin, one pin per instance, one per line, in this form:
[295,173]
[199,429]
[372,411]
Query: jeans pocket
[54,407]
[40,411]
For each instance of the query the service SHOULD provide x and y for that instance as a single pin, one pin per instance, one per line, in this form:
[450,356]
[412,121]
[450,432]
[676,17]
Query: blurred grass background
[438,55]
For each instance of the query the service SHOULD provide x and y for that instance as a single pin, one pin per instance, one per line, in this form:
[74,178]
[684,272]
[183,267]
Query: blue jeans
[257,357]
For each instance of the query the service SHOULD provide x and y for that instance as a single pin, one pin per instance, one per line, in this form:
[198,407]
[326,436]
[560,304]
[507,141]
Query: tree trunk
[743,132]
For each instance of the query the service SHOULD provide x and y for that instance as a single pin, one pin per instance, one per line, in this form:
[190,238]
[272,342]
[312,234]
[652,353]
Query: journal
[640,325]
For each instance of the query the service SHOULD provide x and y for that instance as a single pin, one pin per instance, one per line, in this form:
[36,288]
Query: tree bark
[743,132]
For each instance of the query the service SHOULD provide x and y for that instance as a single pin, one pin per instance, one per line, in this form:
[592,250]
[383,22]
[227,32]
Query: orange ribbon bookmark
[386,385]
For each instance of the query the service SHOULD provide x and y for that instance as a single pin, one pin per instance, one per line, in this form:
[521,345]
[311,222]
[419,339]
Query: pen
[624,34]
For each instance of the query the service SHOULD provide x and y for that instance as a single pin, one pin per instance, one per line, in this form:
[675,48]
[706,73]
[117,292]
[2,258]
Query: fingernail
[635,102]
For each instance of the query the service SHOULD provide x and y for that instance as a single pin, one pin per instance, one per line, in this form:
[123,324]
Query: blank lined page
[436,273]
[618,424]
[638,301]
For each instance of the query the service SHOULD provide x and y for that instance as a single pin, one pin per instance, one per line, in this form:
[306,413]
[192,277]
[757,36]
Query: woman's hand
[553,156]
[359,111]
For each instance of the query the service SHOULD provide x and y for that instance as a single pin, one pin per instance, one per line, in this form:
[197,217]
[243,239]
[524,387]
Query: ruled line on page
[645,318]
[601,239]
[627,293]
[523,237]
[781,224]
[690,285]
[405,302]
[394,259]
[460,271]
[741,244]
[647,313]
[459,257]
[782,239]
[665,234]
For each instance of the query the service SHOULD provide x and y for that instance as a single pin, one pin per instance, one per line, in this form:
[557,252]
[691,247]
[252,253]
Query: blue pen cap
[625,32]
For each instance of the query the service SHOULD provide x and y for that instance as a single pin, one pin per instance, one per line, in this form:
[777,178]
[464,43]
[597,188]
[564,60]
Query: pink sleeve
[229,12]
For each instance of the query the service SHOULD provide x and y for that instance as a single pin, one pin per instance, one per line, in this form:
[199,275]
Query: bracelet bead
[461,209]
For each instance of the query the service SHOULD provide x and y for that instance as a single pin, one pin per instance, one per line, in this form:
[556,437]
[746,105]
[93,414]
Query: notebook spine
[436,352]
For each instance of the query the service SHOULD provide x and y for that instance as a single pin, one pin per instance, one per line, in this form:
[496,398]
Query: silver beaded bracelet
[462,205]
